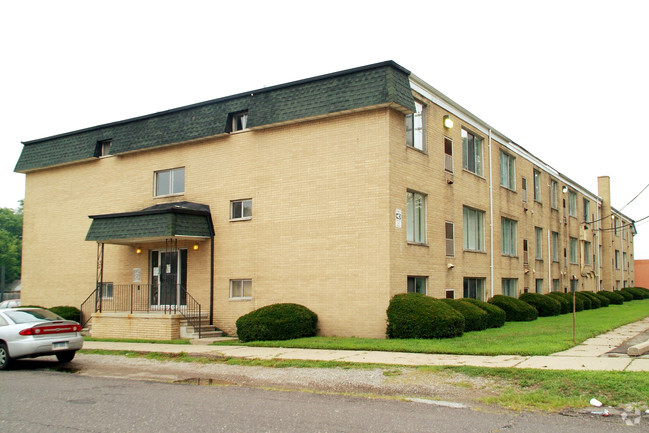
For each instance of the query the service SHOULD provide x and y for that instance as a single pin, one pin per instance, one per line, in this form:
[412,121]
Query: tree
[11,230]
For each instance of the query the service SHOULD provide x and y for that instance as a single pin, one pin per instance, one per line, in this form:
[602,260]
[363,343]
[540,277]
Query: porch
[156,304]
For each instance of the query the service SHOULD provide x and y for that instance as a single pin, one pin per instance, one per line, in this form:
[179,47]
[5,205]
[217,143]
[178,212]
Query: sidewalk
[590,355]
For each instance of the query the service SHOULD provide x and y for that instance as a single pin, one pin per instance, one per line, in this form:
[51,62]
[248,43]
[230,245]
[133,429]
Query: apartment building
[335,192]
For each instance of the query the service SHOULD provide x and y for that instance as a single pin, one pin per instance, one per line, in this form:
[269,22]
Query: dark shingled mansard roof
[384,83]
[180,219]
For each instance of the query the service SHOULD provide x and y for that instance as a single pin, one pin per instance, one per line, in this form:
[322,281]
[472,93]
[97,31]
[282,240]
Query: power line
[643,189]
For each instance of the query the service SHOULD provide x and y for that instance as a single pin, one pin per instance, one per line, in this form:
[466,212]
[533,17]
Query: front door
[168,277]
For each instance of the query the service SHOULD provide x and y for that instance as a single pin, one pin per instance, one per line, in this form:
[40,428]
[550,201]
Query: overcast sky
[567,80]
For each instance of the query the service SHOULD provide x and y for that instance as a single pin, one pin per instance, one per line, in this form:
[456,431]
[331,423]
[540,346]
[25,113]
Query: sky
[567,80]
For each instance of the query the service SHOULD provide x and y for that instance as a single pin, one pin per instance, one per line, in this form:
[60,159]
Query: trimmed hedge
[585,299]
[475,318]
[643,290]
[566,305]
[544,306]
[67,312]
[637,292]
[413,315]
[515,309]
[495,314]
[602,299]
[628,296]
[594,300]
[615,298]
[277,322]
[579,304]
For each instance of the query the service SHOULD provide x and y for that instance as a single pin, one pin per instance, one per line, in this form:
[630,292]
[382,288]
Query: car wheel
[65,356]
[5,360]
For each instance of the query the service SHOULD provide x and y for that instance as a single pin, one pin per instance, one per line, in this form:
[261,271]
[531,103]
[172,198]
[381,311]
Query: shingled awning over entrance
[164,221]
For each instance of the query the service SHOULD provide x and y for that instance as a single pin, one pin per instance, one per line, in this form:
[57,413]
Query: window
[241,209]
[106,290]
[448,154]
[169,182]
[587,253]
[450,240]
[416,215]
[526,256]
[599,249]
[474,288]
[572,204]
[524,189]
[507,171]
[239,121]
[625,264]
[555,246]
[450,294]
[471,152]
[617,259]
[418,285]
[556,285]
[573,250]
[539,285]
[473,229]
[554,197]
[586,209]
[538,234]
[103,148]
[415,127]
[240,289]
[537,185]
[509,287]
[508,237]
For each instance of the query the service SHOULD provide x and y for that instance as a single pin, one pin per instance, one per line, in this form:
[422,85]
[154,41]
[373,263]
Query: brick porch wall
[152,326]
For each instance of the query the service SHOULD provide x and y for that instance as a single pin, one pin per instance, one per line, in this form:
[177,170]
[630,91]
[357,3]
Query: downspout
[491,221]
[622,248]
[549,262]
[599,256]
[212,280]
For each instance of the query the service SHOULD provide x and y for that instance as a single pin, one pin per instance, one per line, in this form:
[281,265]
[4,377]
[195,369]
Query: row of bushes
[67,312]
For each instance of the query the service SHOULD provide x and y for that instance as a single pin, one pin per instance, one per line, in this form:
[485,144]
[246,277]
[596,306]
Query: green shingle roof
[158,222]
[372,85]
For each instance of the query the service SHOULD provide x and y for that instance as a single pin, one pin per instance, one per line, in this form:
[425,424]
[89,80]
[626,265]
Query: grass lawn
[543,336]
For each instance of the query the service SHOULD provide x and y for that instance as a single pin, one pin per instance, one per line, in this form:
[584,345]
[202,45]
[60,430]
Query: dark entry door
[168,277]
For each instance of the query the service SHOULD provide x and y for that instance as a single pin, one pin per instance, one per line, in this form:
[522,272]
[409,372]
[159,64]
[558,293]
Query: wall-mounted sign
[137,275]
[397,218]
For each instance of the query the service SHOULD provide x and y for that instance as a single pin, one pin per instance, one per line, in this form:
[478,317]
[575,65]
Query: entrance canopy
[180,220]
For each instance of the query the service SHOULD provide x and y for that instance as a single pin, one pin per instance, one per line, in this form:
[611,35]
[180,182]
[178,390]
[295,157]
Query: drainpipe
[549,261]
[622,248]
[599,257]
[491,221]
[212,280]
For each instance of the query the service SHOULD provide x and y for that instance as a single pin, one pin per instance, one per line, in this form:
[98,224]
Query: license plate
[60,345]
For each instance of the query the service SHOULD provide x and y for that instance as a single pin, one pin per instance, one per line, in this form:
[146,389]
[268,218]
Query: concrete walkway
[592,354]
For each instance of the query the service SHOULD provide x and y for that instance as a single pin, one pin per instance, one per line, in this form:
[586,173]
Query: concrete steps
[206,330]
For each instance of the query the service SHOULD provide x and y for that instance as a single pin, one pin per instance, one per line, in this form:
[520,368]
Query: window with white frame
[474,288]
[539,285]
[587,253]
[538,235]
[507,171]
[418,285]
[448,154]
[450,294]
[241,289]
[416,217]
[450,239]
[241,209]
[510,287]
[554,194]
[624,262]
[106,290]
[524,189]
[415,127]
[556,285]
[103,148]
[473,229]
[508,237]
[239,121]
[555,246]
[617,259]
[169,182]
[586,209]
[572,203]
[573,250]
[471,152]
[537,185]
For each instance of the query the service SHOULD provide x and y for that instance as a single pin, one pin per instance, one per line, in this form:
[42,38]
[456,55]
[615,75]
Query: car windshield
[32,315]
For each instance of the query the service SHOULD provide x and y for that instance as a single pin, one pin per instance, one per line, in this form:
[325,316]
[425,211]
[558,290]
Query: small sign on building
[397,218]
[137,275]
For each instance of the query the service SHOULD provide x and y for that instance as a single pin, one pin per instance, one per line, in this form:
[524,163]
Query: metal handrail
[140,298]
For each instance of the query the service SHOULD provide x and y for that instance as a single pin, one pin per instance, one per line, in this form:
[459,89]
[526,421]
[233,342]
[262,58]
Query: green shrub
[637,293]
[67,312]
[579,303]
[413,315]
[643,290]
[594,300]
[544,306]
[515,309]
[495,314]
[585,299]
[277,322]
[628,296]
[614,297]
[566,305]
[475,318]
[602,299]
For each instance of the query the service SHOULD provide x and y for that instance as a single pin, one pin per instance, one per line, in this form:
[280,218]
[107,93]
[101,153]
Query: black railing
[168,299]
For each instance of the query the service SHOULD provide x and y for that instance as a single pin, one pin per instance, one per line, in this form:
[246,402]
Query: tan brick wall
[124,325]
